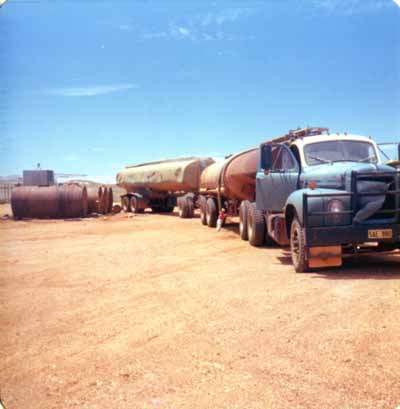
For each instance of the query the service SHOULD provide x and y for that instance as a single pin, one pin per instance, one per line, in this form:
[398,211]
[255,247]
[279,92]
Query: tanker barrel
[234,177]
[164,177]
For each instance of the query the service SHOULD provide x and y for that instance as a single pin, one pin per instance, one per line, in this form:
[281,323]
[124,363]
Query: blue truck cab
[327,196]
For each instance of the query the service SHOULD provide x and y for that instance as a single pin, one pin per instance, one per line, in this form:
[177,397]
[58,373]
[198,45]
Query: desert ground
[153,311]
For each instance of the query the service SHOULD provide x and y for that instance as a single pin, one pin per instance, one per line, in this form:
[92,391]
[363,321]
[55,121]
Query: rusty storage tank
[49,202]
[110,200]
[94,195]
[103,204]
[234,177]
[73,201]
[168,176]
[106,199]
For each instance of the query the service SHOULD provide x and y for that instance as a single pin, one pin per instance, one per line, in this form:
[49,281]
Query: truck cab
[326,195]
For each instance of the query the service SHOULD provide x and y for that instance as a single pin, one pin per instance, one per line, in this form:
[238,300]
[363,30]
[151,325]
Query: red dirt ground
[153,311]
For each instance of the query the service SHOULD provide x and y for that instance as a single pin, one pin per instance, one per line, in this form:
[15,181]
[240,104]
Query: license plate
[380,234]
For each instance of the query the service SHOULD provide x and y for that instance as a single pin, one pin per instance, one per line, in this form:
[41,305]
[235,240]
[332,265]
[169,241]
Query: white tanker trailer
[162,185]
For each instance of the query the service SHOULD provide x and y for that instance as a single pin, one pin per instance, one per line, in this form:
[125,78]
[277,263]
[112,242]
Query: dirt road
[154,311]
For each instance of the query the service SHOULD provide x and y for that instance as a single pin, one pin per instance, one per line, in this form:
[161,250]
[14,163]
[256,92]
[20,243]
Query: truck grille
[382,188]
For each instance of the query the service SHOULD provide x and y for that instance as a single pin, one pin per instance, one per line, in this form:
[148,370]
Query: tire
[190,207]
[134,202]
[298,247]
[203,210]
[211,212]
[243,210]
[126,204]
[255,226]
[183,207]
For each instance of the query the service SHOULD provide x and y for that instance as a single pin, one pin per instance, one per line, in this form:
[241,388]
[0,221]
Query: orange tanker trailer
[226,184]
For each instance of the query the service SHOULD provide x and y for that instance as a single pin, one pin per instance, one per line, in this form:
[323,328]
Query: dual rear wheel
[251,224]
[185,207]
[208,211]
[252,227]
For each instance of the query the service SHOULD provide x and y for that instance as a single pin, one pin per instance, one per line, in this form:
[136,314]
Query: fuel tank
[49,202]
[94,199]
[235,177]
[168,176]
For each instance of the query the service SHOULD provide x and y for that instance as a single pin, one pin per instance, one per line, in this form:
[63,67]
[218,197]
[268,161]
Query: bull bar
[353,232]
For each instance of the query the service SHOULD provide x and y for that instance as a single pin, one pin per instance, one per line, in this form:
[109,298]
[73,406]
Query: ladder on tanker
[292,135]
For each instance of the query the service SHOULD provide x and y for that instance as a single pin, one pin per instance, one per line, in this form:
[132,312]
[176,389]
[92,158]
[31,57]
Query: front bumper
[352,234]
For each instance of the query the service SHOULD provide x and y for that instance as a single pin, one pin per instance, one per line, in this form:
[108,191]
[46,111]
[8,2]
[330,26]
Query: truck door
[274,186]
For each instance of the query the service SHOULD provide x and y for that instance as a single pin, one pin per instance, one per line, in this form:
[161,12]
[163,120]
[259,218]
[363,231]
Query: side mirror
[266,157]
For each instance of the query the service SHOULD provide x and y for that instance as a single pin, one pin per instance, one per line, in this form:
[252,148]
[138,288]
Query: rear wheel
[243,210]
[134,202]
[186,207]
[211,212]
[203,210]
[255,226]
[190,205]
[298,247]
[125,204]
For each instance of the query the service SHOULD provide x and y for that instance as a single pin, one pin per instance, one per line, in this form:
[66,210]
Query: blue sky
[90,86]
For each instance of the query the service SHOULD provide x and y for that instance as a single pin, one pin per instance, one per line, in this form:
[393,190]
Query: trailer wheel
[126,204]
[190,206]
[211,212]
[203,210]
[186,207]
[183,208]
[243,210]
[134,203]
[298,247]
[255,226]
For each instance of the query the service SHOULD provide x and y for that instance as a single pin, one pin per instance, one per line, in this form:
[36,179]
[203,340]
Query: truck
[326,196]
[161,185]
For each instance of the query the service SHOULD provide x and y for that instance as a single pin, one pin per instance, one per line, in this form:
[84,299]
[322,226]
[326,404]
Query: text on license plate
[380,234]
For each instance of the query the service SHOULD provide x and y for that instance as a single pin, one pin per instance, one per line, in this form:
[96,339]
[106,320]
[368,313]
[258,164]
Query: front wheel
[298,247]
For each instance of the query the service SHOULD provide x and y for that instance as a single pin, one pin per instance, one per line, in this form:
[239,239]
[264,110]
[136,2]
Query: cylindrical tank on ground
[103,200]
[73,201]
[234,177]
[49,202]
[110,200]
[175,175]
[94,194]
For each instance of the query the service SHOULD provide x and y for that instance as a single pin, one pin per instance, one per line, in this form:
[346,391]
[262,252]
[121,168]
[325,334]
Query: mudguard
[317,204]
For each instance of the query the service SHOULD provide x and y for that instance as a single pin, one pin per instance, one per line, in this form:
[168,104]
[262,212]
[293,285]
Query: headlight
[335,206]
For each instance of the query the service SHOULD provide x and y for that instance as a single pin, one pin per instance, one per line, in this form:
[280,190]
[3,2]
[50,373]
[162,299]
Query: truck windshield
[339,151]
